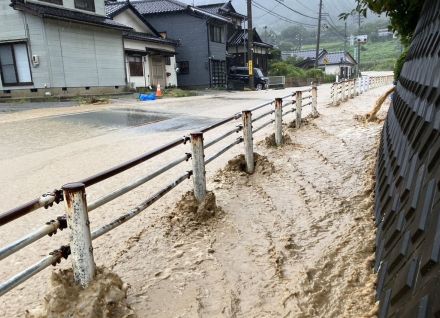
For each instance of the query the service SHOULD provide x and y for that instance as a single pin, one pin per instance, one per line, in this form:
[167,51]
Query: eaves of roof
[46,11]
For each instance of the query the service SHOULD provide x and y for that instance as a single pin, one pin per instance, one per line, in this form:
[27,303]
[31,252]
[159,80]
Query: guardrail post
[248,141]
[343,91]
[278,121]
[198,164]
[353,88]
[81,248]
[314,100]
[298,108]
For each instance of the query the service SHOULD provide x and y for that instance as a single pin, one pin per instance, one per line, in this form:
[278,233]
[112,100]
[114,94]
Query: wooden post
[198,164]
[248,141]
[314,100]
[279,121]
[81,248]
[298,108]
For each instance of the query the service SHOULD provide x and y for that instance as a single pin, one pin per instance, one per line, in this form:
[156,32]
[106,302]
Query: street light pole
[250,48]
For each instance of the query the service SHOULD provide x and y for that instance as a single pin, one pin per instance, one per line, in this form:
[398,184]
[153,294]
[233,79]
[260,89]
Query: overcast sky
[307,7]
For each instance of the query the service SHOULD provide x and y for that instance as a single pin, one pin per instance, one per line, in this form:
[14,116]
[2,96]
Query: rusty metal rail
[78,193]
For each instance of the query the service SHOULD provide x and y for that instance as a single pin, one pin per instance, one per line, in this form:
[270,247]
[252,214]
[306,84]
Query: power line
[271,12]
[305,7]
[293,10]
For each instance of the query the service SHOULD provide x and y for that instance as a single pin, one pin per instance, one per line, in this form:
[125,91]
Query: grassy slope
[379,56]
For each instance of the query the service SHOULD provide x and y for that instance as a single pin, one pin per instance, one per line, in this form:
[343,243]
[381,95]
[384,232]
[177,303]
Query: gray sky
[308,7]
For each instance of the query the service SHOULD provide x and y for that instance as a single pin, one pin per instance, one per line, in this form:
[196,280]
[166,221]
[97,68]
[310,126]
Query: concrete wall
[193,35]
[130,19]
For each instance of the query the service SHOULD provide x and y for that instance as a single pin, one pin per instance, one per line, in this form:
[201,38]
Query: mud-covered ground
[296,239]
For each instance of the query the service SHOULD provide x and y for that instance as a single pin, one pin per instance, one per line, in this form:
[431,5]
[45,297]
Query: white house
[149,56]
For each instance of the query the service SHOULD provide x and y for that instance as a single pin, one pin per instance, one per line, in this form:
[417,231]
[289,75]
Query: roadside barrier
[80,247]
[343,90]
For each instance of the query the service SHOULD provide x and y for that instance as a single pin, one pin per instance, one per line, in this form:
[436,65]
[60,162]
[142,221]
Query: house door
[218,71]
[158,71]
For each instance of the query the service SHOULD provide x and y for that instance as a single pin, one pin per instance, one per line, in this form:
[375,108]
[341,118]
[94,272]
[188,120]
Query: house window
[14,64]
[167,60]
[135,65]
[183,67]
[216,33]
[88,5]
[59,2]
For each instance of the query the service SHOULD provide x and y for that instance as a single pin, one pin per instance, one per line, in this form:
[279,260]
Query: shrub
[399,64]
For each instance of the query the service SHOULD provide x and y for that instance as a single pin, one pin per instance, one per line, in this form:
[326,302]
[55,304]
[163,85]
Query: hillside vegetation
[377,56]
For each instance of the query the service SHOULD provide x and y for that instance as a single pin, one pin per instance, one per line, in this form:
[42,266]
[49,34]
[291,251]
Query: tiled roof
[241,36]
[63,14]
[112,7]
[310,54]
[148,37]
[158,6]
[212,8]
[337,57]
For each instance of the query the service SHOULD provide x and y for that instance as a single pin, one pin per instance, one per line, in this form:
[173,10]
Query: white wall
[130,19]
[171,80]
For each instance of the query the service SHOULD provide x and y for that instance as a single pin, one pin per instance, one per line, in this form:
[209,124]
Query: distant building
[384,33]
[333,63]
[237,36]
[149,57]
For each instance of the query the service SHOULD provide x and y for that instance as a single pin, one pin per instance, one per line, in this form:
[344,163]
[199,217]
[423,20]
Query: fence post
[81,248]
[278,121]
[343,91]
[198,164]
[298,108]
[314,100]
[248,141]
[352,88]
[335,94]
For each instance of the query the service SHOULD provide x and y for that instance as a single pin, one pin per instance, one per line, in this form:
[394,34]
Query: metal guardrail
[77,209]
[345,89]
[277,81]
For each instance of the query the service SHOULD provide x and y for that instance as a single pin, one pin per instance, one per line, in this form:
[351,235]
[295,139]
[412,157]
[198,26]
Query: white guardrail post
[81,248]
[314,100]
[248,141]
[353,88]
[278,121]
[198,164]
[298,108]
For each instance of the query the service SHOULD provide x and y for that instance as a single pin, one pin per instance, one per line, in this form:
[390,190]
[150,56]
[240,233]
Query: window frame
[79,5]
[135,65]
[15,66]
[217,37]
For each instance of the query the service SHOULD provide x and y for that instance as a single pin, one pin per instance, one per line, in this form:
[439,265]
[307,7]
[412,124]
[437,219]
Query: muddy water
[253,260]
[293,241]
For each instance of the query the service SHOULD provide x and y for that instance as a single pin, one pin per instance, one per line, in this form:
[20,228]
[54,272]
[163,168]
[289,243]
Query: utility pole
[319,34]
[345,41]
[250,45]
[359,44]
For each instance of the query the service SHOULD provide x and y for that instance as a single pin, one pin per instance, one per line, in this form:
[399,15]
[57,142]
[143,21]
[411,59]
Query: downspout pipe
[209,53]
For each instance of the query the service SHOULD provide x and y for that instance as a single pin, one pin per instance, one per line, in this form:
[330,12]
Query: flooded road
[256,261]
